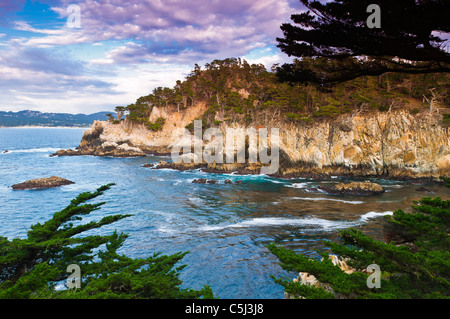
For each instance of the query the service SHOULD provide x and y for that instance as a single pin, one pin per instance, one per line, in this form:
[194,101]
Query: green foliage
[233,91]
[31,267]
[294,117]
[415,264]
[157,125]
[110,117]
[446,119]
[446,181]
[323,39]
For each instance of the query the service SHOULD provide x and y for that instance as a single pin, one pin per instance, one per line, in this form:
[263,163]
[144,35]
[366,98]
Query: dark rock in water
[65,153]
[47,182]
[238,182]
[149,165]
[204,181]
[213,181]
[113,152]
[177,166]
[199,181]
[354,188]
[422,189]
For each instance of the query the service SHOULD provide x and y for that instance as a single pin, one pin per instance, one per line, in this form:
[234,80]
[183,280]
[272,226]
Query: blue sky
[124,49]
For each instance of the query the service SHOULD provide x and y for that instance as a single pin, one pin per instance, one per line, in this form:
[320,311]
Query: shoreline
[47,127]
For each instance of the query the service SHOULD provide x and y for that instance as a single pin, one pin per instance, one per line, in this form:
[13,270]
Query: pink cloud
[176,28]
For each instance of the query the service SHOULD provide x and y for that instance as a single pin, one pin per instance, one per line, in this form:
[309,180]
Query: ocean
[225,227]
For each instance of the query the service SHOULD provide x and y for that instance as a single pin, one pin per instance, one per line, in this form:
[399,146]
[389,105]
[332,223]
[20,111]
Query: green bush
[297,117]
[446,119]
[414,111]
[157,125]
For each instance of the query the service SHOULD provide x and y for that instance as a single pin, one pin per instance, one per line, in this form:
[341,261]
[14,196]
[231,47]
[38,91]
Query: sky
[53,59]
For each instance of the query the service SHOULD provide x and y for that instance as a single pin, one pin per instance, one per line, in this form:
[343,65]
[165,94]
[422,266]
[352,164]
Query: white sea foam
[313,222]
[353,202]
[298,185]
[275,181]
[393,186]
[371,215]
[34,150]
[195,199]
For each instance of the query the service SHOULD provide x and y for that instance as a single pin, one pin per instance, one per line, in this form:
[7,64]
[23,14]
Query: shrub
[157,125]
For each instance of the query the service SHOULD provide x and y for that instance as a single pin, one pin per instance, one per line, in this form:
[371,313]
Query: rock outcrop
[213,181]
[92,143]
[396,145]
[47,182]
[176,166]
[204,181]
[354,188]
[308,279]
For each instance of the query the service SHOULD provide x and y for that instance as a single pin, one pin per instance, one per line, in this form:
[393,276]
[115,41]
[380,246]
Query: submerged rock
[176,166]
[213,181]
[199,181]
[354,188]
[204,181]
[121,151]
[47,182]
[422,189]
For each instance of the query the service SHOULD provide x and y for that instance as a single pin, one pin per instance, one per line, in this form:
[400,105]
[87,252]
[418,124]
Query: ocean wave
[308,222]
[353,202]
[372,215]
[276,221]
[248,176]
[34,150]
[298,185]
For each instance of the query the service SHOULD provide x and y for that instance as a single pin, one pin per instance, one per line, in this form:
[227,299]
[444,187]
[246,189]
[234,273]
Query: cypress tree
[415,263]
[32,267]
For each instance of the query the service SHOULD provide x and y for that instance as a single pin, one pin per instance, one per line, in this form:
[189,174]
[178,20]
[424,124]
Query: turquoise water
[223,226]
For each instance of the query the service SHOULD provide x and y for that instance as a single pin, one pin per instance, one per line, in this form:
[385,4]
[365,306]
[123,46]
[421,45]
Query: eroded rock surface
[354,188]
[47,182]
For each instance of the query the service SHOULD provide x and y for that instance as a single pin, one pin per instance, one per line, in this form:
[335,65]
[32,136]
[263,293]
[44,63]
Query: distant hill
[36,118]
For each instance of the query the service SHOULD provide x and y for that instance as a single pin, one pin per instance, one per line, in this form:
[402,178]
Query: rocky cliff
[390,144]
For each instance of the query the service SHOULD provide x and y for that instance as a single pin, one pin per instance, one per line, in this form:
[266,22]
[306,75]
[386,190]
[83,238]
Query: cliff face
[391,144]
[394,144]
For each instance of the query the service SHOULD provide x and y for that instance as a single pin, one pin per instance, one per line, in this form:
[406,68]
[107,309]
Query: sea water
[225,227]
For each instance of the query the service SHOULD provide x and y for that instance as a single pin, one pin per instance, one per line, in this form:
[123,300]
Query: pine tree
[32,267]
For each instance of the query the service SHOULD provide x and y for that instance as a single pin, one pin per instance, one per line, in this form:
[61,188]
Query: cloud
[124,49]
[44,78]
[174,29]
[23,26]
[9,7]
